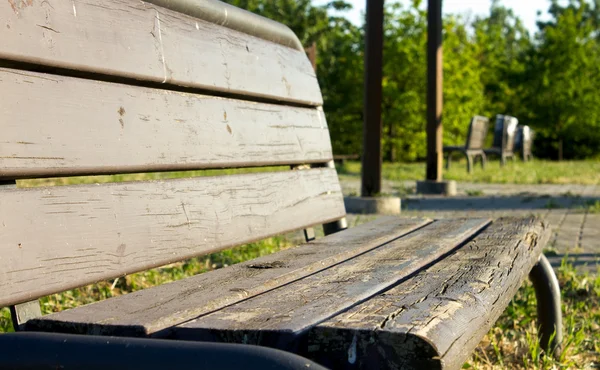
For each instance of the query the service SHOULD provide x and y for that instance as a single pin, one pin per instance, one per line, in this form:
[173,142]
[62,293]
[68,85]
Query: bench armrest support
[547,293]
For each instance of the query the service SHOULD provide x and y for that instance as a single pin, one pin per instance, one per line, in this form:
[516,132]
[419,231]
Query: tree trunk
[560,149]
[392,144]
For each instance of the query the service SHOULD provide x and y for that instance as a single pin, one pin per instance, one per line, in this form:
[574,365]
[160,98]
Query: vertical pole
[434,90]
[371,158]
[311,51]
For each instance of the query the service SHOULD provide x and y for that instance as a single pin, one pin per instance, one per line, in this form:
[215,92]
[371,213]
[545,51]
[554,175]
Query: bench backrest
[523,138]
[504,132]
[477,132]
[104,87]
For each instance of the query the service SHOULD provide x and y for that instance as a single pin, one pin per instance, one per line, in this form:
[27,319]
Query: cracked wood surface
[149,311]
[277,317]
[61,237]
[139,41]
[436,318]
[57,126]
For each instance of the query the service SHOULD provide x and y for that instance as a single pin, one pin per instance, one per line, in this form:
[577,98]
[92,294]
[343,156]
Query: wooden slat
[138,40]
[477,132]
[66,236]
[276,318]
[53,126]
[151,310]
[435,319]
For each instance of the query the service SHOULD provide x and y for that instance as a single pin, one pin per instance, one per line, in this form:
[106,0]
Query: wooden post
[311,52]
[434,90]
[371,156]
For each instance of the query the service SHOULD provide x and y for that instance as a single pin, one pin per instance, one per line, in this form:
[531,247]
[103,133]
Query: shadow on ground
[495,203]
[582,261]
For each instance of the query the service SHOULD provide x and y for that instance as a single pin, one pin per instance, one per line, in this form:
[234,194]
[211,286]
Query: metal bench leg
[335,226]
[547,293]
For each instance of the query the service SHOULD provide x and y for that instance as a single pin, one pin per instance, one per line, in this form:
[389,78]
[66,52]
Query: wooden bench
[107,86]
[342,158]
[473,148]
[505,130]
[523,142]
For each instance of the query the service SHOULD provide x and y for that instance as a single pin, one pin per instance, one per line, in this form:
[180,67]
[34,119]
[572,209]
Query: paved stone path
[573,212]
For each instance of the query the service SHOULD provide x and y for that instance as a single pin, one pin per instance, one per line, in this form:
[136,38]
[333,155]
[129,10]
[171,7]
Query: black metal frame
[547,293]
[69,351]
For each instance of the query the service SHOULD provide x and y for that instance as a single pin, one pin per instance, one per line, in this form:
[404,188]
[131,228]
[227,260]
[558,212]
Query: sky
[525,9]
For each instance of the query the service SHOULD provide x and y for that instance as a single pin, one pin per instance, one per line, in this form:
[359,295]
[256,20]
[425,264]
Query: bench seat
[409,292]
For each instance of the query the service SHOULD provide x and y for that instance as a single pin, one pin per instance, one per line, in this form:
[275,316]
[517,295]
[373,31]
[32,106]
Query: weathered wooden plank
[53,126]
[62,237]
[436,318]
[477,132]
[152,310]
[138,40]
[278,317]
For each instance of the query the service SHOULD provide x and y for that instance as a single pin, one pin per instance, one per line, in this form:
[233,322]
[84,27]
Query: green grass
[534,172]
[474,193]
[512,342]
[75,180]
[593,206]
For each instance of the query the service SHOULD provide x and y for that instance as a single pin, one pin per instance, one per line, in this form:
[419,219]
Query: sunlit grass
[512,342]
[58,181]
[534,172]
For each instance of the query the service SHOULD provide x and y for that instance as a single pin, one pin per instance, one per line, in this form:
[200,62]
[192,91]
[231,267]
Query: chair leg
[483,160]
[448,159]
[469,163]
[335,226]
[547,293]
[502,161]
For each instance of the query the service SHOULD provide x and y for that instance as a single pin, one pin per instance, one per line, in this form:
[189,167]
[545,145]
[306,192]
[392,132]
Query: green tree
[464,92]
[564,75]
[504,44]
[404,87]
[405,76]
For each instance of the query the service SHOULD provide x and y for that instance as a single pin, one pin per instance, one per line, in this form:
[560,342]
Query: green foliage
[503,43]
[492,65]
[403,88]
[564,75]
